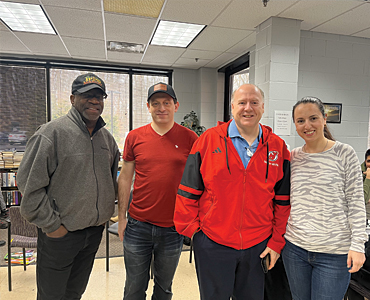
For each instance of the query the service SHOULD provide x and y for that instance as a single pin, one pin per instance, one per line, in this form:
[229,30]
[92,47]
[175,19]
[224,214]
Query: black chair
[20,234]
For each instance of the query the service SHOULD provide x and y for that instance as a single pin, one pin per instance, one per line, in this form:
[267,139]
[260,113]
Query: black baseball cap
[87,82]
[161,87]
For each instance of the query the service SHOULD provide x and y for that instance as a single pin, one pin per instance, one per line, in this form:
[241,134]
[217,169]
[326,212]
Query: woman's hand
[355,261]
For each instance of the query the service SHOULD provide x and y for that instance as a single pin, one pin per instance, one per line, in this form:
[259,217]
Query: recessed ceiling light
[25,17]
[175,34]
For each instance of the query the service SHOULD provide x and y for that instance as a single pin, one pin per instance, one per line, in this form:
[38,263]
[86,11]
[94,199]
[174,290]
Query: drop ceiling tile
[12,45]
[125,58]
[87,48]
[222,60]
[76,22]
[244,45]
[80,4]
[189,62]
[48,44]
[348,23]
[3,27]
[201,54]
[144,8]
[247,14]
[218,38]
[365,33]
[159,64]
[193,11]
[160,54]
[315,12]
[130,29]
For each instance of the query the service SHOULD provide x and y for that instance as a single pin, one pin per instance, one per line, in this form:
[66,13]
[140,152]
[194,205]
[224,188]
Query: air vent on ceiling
[125,47]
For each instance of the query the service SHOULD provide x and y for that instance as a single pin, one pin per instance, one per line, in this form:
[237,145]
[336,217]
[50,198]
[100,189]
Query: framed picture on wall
[333,112]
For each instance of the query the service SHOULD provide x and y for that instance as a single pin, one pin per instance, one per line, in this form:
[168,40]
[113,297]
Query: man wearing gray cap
[68,180]
[157,153]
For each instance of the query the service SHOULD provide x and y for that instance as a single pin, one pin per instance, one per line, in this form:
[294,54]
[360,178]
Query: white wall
[336,69]
[332,67]
[186,85]
[201,91]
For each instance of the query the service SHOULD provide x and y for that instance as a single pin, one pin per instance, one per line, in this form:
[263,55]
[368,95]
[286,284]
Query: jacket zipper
[244,188]
[242,210]
[96,180]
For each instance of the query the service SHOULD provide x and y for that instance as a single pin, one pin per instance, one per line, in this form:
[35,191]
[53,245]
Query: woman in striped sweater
[326,229]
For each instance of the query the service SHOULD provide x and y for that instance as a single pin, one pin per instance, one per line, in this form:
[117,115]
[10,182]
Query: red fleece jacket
[234,206]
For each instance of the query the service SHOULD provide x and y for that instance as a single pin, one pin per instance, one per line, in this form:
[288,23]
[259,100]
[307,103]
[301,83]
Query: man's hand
[273,256]
[121,228]
[367,173]
[355,261]
[60,232]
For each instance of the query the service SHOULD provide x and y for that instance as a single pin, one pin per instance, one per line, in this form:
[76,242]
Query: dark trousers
[224,272]
[64,264]
[276,283]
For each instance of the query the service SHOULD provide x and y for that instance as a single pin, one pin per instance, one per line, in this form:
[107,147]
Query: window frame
[88,66]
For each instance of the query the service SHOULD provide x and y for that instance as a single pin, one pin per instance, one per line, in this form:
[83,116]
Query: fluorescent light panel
[25,17]
[175,34]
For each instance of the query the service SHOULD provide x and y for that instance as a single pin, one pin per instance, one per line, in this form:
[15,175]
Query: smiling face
[309,122]
[162,108]
[90,105]
[247,107]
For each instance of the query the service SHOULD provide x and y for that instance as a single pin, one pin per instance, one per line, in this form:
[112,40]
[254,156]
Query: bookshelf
[9,163]
[9,187]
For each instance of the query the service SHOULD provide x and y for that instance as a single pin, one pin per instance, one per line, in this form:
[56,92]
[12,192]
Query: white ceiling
[84,28]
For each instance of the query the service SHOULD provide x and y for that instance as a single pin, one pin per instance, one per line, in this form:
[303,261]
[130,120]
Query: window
[116,106]
[141,83]
[236,74]
[34,91]
[23,93]
[238,79]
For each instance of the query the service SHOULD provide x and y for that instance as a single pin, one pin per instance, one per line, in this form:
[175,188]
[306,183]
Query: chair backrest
[19,225]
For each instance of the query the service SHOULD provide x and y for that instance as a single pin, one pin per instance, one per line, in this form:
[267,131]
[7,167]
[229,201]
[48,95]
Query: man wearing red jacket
[234,201]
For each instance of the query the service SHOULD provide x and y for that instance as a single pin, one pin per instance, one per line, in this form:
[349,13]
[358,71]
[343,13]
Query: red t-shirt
[159,164]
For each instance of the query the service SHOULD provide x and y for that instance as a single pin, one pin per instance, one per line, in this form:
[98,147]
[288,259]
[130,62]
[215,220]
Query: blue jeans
[314,275]
[141,242]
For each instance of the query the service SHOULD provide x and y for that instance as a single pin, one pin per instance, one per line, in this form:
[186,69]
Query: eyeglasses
[89,97]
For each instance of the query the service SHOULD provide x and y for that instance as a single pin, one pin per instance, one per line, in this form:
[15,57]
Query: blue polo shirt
[241,145]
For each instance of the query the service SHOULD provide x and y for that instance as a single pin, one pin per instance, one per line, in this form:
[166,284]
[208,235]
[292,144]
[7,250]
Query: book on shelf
[10,159]
[17,257]
[8,179]
[12,197]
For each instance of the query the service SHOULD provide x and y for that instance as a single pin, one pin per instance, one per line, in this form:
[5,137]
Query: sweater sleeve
[186,216]
[281,206]
[38,164]
[354,196]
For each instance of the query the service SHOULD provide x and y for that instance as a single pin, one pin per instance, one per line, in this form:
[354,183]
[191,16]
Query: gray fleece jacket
[67,176]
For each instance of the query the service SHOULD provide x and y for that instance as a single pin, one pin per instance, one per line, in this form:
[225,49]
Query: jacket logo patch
[218,150]
[273,155]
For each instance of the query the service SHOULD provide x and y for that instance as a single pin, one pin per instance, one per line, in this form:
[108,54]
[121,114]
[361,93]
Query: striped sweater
[327,207]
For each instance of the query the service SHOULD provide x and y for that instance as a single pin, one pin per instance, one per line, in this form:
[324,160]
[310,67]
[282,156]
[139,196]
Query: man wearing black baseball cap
[68,180]
[157,153]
